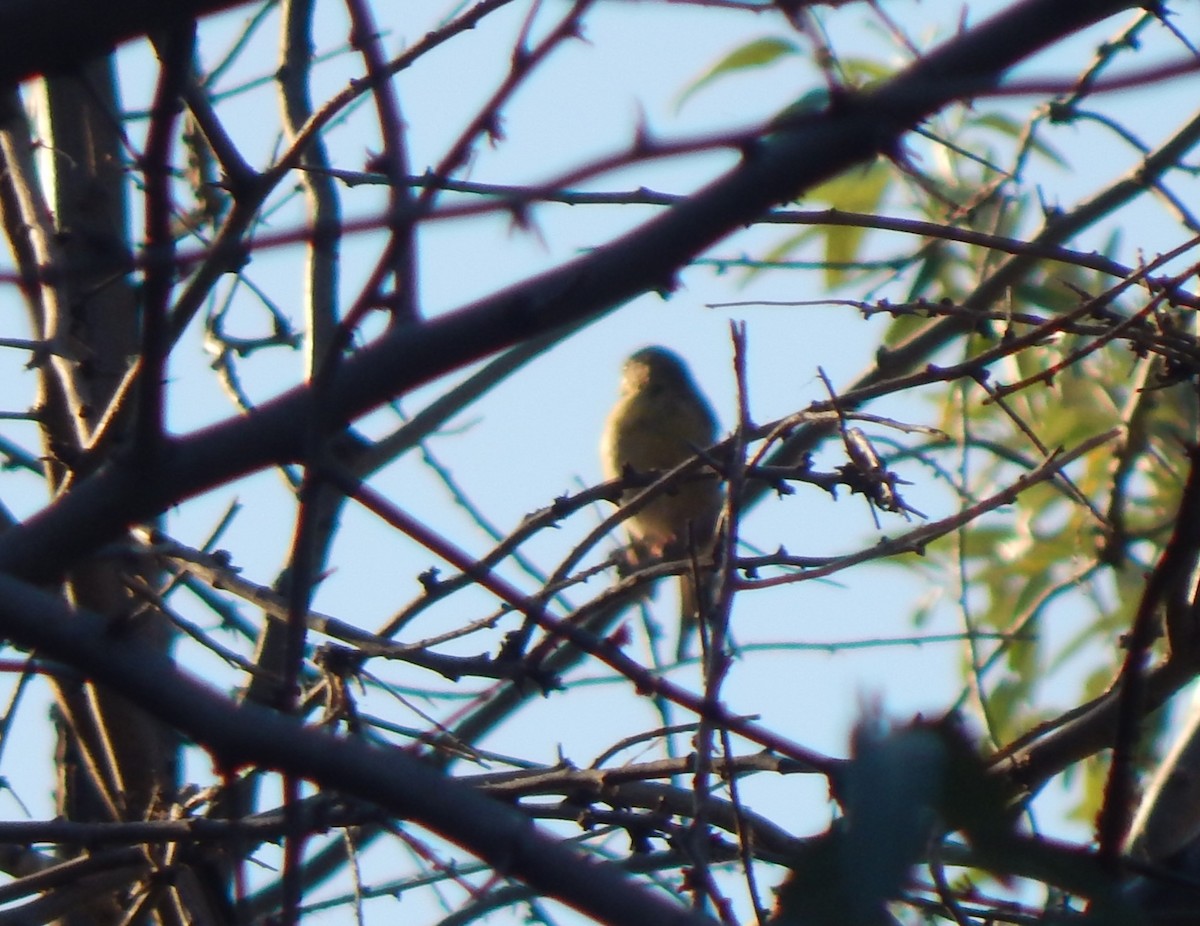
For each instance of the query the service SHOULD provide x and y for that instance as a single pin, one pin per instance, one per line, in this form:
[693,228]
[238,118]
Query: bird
[661,419]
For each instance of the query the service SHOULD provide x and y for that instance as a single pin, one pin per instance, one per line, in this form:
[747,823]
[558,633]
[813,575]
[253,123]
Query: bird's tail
[696,602]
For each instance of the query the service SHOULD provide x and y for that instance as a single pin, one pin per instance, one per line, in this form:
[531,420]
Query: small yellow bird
[659,421]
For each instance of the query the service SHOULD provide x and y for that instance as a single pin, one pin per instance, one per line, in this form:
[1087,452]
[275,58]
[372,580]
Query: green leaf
[1013,129]
[756,54]
[859,190]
